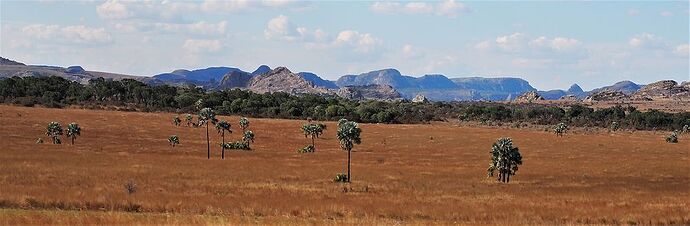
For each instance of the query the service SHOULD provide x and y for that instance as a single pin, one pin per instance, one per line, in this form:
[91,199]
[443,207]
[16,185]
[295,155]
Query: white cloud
[666,14]
[556,44]
[633,12]
[113,9]
[646,40]
[682,50]
[361,42]
[511,43]
[202,45]
[448,8]
[418,8]
[68,34]
[280,28]
[175,10]
[198,28]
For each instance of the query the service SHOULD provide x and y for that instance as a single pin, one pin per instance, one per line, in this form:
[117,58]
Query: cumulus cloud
[557,44]
[646,40]
[174,10]
[202,45]
[361,42]
[522,43]
[198,28]
[666,14]
[280,28]
[448,8]
[682,50]
[633,12]
[67,34]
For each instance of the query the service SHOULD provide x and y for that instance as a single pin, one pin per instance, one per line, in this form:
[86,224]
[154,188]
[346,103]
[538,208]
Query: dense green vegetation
[133,95]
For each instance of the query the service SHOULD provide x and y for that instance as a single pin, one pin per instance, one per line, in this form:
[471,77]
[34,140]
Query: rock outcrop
[235,79]
[666,89]
[569,97]
[529,97]
[369,92]
[607,95]
[283,80]
[420,99]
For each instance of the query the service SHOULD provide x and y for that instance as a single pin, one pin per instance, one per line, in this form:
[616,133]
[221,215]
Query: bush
[673,138]
[307,149]
[341,178]
[237,145]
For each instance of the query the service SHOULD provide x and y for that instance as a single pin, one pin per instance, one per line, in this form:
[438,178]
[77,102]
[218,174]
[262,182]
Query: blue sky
[550,44]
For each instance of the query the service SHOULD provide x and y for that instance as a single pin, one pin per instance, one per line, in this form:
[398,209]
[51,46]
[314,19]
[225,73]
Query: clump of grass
[306,149]
[130,187]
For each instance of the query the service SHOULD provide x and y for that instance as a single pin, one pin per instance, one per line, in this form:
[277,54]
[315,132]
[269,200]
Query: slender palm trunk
[208,143]
[508,177]
[72,140]
[348,165]
[312,142]
[222,146]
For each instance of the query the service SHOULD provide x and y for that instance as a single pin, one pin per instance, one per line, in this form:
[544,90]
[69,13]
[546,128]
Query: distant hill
[626,87]
[318,81]
[9,68]
[205,76]
[377,83]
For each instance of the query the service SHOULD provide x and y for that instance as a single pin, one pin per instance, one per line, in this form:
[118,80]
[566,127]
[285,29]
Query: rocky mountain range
[387,84]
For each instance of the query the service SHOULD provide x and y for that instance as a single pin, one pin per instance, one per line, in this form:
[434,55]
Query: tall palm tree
[223,126]
[349,135]
[207,115]
[505,158]
[54,130]
[73,130]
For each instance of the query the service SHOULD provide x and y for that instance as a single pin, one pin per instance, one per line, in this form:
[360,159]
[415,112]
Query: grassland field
[425,174]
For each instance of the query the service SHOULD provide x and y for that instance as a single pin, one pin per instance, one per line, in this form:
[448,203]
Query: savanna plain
[401,174]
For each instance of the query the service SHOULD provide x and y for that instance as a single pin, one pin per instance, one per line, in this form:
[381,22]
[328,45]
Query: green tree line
[129,94]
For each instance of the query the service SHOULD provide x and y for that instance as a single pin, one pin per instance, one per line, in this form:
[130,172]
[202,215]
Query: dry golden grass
[412,174]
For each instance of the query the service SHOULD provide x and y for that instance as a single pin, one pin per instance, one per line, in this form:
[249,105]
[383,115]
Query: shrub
[686,129]
[130,187]
[173,140]
[340,178]
[237,145]
[673,138]
[307,149]
[615,126]
[560,129]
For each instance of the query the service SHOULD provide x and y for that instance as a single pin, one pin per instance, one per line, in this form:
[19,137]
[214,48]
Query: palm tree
[174,140]
[207,115]
[313,130]
[505,158]
[686,129]
[560,129]
[73,130]
[177,120]
[244,124]
[223,126]
[248,136]
[348,134]
[189,119]
[54,130]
